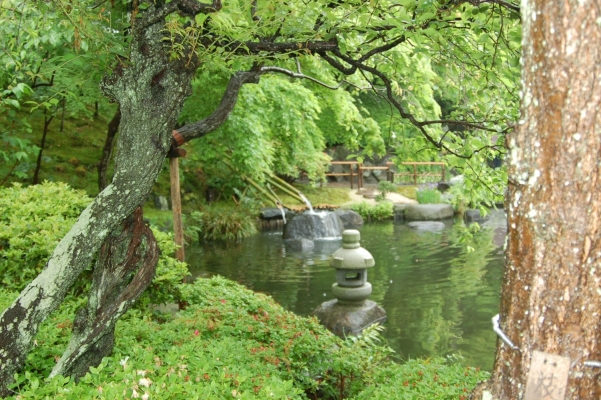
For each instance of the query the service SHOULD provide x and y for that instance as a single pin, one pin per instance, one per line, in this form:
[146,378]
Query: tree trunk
[125,267]
[150,91]
[38,165]
[107,151]
[551,301]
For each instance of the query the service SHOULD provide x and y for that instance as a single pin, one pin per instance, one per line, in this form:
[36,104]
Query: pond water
[439,298]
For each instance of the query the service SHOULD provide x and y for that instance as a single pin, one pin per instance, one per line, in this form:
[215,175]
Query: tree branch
[300,75]
[358,65]
[237,47]
[220,115]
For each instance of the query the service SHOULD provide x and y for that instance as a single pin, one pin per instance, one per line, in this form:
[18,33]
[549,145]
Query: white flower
[141,372]
[124,362]
[135,394]
[144,382]
[145,396]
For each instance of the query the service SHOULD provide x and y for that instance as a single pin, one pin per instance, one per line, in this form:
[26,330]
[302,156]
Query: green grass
[317,195]
[408,191]
[429,196]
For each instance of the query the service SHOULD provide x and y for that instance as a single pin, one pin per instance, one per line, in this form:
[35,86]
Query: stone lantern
[351,312]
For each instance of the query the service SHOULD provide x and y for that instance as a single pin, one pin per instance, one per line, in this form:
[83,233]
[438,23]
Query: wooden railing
[390,174]
[415,174]
[351,174]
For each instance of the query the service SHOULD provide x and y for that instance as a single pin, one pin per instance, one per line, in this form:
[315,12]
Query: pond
[439,297]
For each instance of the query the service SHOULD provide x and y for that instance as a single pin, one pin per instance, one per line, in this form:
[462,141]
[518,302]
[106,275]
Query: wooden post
[352,167]
[176,206]
[414,175]
[176,201]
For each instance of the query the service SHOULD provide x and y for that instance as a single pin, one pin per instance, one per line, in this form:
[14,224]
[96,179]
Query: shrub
[32,222]
[81,171]
[379,212]
[233,343]
[423,379]
[74,161]
[428,196]
[385,187]
[220,223]
[34,219]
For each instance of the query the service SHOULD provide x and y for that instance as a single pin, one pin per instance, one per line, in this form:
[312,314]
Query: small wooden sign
[548,377]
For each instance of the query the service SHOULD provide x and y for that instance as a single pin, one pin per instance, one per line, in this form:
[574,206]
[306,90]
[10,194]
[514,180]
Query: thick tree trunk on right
[551,296]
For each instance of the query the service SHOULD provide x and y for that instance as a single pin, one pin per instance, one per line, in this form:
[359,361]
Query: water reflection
[439,298]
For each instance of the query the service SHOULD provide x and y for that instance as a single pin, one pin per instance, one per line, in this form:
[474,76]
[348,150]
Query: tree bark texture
[551,296]
[125,267]
[107,151]
[150,90]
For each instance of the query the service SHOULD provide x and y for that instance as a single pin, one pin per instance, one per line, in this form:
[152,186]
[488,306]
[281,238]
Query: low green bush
[222,223]
[233,343]
[428,196]
[436,378]
[32,222]
[34,219]
[381,211]
[385,187]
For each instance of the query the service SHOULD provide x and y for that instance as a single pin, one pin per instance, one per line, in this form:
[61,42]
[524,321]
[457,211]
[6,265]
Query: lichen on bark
[150,89]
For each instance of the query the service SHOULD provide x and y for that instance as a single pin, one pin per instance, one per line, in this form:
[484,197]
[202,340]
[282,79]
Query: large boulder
[428,212]
[350,218]
[473,215]
[271,213]
[399,212]
[321,225]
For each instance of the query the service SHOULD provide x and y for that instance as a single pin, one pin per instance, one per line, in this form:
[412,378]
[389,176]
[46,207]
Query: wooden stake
[176,205]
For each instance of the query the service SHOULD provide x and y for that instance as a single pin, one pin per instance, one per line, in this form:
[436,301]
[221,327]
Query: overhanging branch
[420,125]
[300,75]
[228,101]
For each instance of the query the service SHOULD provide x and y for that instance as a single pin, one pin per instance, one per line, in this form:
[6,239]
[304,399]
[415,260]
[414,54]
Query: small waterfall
[322,225]
[307,202]
[281,207]
[333,226]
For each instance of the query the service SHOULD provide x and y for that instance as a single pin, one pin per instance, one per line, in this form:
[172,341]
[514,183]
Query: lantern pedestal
[351,312]
[346,319]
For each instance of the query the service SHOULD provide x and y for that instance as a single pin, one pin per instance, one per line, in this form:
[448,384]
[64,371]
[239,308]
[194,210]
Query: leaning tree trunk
[125,267]
[551,296]
[150,90]
[107,151]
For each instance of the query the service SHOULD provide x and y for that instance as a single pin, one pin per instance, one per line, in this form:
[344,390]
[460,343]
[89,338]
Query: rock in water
[432,226]
[428,212]
[349,218]
[312,226]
